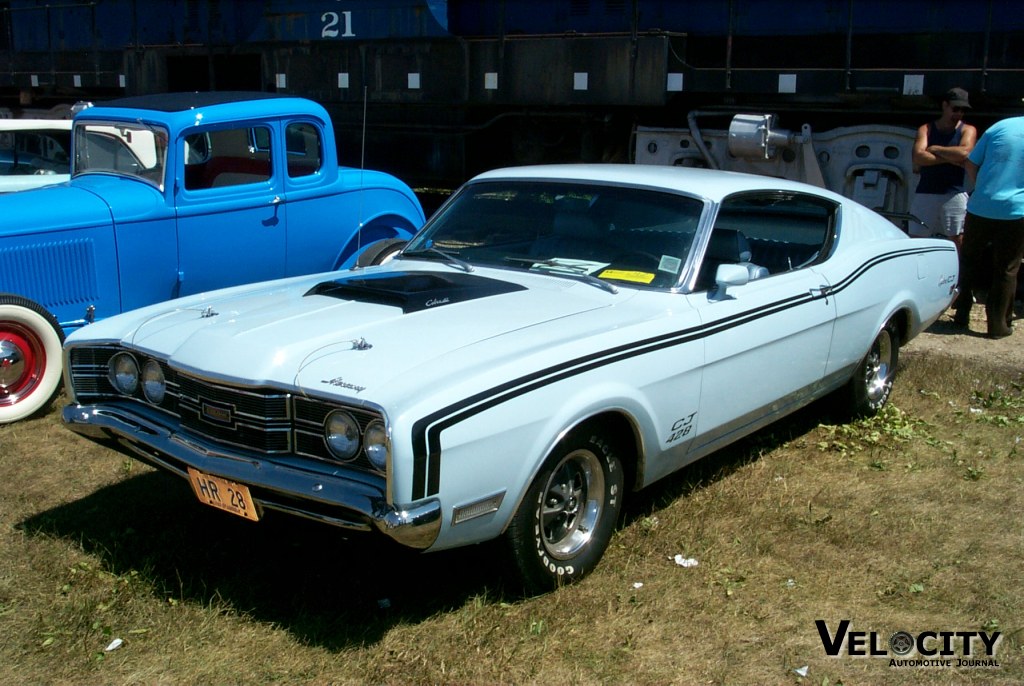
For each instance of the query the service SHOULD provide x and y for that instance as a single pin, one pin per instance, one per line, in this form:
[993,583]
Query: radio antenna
[362,152]
[362,167]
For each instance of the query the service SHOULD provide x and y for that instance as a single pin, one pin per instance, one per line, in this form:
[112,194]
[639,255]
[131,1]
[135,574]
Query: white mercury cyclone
[553,339]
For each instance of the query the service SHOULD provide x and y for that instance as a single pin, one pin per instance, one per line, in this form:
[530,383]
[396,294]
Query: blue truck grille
[56,273]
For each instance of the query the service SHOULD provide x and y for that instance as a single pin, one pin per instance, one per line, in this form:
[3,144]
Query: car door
[232,227]
[321,218]
[768,336]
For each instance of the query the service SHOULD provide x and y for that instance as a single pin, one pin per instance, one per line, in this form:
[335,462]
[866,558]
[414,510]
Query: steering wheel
[630,258]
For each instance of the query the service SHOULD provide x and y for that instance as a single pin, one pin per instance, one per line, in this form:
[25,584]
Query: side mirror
[729,275]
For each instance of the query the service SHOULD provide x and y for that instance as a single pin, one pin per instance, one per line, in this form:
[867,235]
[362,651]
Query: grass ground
[908,522]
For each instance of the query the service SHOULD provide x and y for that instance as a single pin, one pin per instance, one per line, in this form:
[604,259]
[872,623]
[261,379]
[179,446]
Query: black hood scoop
[413,291]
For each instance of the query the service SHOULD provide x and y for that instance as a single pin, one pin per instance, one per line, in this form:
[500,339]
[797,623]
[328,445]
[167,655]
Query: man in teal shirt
[994,228]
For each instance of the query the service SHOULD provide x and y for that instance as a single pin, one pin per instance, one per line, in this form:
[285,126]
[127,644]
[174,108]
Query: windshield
[625,236]
[129,149]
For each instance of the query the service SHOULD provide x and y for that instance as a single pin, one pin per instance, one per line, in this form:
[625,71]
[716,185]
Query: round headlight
[154,387]
[124,373]
[342,435]
[375,443]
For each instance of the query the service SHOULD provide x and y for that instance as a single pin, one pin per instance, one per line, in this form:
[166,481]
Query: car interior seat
[727,246]
[574,235]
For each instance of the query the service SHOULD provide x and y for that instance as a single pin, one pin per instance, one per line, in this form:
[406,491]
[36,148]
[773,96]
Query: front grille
[255,403]
[89,371]
[310,416]
[256,419]
[91,380]
[263,420]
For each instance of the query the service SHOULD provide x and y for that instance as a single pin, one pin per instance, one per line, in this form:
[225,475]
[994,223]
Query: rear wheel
[568,515]
[30,358]
[869,388]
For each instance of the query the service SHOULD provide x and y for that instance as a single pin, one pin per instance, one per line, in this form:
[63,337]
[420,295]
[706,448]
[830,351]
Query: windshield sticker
[670,264]
[626,275]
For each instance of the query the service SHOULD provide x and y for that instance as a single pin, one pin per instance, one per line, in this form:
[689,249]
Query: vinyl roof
[178,102]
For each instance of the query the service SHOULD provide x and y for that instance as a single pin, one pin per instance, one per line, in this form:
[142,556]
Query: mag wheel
[30,358]
[869,388]
[568,515]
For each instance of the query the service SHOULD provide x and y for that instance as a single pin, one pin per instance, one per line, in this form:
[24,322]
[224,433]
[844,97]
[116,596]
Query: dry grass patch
[907,522]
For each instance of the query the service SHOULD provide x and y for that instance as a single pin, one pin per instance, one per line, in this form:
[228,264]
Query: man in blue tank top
[940,149]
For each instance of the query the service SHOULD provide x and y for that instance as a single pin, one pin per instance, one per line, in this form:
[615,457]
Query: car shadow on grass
[325,586]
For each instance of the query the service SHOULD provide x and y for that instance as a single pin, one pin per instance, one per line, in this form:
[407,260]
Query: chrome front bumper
[338,500]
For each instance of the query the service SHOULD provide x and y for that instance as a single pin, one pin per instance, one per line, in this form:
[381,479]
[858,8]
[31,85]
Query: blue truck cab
[171,195]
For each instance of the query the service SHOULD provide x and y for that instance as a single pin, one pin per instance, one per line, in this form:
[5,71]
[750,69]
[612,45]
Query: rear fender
[380,228]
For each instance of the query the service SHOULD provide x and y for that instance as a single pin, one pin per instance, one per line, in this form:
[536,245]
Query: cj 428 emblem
[681,428]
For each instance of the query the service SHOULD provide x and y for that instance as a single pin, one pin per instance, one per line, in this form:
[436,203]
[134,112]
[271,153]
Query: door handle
[822,291]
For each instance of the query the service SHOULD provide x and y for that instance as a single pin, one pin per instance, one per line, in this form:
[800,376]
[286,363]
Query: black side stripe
[426,432]
[848,281]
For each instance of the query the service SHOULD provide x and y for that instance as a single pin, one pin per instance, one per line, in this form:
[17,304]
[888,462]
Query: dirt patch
[942,337]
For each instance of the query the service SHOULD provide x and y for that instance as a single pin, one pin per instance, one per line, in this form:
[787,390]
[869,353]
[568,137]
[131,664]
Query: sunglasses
[959,110]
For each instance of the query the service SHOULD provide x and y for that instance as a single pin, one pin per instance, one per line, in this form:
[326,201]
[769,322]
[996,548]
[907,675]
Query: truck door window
[231,158]
[304,149]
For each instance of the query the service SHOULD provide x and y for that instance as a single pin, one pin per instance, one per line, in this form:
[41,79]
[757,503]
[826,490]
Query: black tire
[380,252]
[869,388]
[30,358]
[569,512]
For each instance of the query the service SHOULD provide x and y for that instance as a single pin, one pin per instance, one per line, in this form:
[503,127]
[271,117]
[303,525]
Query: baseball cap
[957,97]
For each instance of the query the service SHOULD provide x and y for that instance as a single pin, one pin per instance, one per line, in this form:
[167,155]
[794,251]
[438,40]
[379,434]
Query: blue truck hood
[80,204]
[52,208]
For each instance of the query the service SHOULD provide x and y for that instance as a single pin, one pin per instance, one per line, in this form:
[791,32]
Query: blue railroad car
[437,90]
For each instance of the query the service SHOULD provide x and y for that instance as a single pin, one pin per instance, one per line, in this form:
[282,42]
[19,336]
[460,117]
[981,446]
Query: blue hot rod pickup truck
[177,194]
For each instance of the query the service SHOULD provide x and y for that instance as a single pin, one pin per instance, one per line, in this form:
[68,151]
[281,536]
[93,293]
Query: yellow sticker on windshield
[627,275]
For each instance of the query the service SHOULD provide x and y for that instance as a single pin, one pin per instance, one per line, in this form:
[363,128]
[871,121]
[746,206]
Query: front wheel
[30,358]
[869,388]
[568,515]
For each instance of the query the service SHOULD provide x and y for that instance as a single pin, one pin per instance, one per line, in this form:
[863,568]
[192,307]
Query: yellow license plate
[223,494]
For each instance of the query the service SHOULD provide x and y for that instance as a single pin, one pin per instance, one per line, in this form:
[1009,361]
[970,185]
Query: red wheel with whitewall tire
[30,358]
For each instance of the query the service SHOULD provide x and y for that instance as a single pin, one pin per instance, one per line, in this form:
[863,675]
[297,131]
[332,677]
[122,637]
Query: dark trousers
[990,258]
